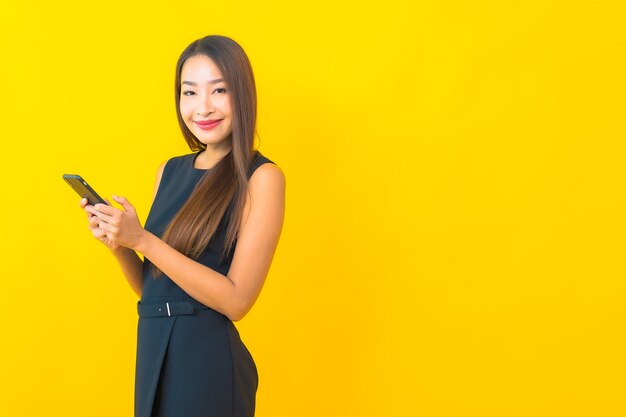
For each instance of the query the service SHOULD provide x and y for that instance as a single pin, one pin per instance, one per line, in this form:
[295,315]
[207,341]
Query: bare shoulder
[267,176]
[266,197]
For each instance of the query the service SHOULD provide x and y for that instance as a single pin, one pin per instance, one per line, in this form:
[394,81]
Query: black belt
[168,309]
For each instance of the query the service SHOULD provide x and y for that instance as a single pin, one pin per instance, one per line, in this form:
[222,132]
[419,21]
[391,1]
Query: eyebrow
[219,80]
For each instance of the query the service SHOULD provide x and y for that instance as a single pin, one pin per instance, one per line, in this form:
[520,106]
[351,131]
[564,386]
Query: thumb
[123,202]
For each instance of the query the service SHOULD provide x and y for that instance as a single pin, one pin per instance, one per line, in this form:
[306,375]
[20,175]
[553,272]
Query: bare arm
[132,267]
[232,295]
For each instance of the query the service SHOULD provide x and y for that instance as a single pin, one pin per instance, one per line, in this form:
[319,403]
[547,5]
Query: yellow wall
[454,236]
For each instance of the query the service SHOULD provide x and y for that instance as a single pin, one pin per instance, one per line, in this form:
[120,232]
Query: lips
[208,124]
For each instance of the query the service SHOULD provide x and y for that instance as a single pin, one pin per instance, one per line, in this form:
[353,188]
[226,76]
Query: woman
[207,244]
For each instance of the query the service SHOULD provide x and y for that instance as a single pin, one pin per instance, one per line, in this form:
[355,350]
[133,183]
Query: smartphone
[83,189]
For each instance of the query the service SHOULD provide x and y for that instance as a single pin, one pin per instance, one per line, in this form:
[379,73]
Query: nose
[205,106]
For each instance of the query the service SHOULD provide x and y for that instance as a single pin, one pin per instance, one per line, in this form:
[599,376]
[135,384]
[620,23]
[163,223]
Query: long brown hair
[222,189]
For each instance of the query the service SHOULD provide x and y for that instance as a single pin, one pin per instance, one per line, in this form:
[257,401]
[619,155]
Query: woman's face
[205,101]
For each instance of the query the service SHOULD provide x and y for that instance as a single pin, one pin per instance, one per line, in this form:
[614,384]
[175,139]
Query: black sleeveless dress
[190,360]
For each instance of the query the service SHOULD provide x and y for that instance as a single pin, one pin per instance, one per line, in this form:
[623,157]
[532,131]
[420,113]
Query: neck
[212,154]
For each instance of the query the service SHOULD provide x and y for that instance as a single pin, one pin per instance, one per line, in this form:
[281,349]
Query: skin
[120,230]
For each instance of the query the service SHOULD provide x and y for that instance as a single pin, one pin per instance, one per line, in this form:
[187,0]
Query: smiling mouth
[209,124]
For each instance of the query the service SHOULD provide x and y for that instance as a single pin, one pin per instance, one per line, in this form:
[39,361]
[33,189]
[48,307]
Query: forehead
[200,68]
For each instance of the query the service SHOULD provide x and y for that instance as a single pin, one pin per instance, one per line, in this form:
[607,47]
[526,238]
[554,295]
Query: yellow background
[454,236]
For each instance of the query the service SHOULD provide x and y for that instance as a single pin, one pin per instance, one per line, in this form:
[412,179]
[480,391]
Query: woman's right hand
[94,226]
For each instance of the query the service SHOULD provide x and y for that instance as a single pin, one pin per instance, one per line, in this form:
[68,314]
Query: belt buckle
[168,309]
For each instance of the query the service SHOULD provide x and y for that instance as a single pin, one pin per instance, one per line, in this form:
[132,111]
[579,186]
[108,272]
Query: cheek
[186,108]
[225,106]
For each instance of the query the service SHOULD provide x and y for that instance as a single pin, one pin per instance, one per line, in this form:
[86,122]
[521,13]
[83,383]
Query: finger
[99,233]
[84,204]
[108,228]
[103,211]
[123,202]
[93,221]
[103,208]
[94,227]
[89,210]
[106,218]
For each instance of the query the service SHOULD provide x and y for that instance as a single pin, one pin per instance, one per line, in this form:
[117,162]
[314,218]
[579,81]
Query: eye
[223,90]
[188,93]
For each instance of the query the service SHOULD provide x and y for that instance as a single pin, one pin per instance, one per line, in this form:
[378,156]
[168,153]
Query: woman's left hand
[121,226]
